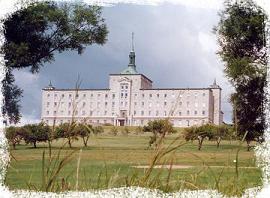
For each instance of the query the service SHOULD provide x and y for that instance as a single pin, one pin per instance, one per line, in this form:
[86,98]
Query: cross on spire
[132,47]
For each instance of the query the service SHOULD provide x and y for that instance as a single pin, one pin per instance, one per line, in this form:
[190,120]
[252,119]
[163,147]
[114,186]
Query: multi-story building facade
[131,100]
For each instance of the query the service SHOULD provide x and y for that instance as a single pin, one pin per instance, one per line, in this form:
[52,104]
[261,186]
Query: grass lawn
[109,161]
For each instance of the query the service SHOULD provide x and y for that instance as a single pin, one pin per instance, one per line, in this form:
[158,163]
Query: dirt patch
[188,166]
[166,166]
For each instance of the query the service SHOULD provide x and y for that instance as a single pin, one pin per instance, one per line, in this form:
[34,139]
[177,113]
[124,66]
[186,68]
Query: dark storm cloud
[174,45]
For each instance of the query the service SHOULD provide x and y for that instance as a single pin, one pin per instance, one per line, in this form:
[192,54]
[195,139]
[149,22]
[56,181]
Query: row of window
[142,122]
[157,113]
[165,113]
[77,95]
[122,104]
[124,93]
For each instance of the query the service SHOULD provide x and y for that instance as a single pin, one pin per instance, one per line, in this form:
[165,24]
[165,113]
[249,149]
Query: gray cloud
[174,45]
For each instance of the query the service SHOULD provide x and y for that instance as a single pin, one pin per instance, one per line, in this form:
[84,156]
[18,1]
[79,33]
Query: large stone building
[132,100]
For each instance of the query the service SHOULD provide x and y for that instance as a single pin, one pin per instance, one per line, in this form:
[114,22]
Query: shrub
[14,135]
[33,133]
[114,130]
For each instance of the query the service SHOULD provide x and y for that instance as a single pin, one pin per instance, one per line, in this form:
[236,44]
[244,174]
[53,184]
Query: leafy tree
[33,133]
[199,133]
[114,131]
[220,132]
[33,35]
[13,135]
[125,130]
[242,39]
[159,128]
[138,130]
[84,132]
[12,94]
[98,130]
[67,130]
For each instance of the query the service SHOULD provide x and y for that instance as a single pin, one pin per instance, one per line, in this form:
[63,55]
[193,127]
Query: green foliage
[158,128]
[98,130]
[242,39]
[14,135]
[212,132]
[33,133]
[44,29]
[125,130]
[114,130]
[84,131]
[67,130]
[138,130]
[12,94]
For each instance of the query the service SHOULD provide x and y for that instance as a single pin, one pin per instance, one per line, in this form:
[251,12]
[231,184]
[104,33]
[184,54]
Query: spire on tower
[132,44]
[215,82]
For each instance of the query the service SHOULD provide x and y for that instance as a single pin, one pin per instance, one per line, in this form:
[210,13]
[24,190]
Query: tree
[84,132]
[45,28]
[113,130]
[98,130]
[13,135]
[242,39]
[33,133]
[220,132]
[199,133]
[67,130]
[159,128]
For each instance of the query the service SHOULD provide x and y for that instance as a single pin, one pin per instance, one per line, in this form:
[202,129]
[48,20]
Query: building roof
[130,70]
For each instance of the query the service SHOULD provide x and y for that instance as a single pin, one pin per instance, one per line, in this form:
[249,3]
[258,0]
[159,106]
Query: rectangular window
[165,95]
[187,112]
[69,95]
[179,113]
[134,112]
[195,112]
[150,95]
[113,96]
[149,113]
[142,112]
[63,95]
[55,104]
[203,112]
[142,104]
[158,95]
[48,112]
[48,95]
[48,104]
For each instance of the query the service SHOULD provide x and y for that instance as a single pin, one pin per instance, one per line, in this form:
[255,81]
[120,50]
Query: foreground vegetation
[110,161]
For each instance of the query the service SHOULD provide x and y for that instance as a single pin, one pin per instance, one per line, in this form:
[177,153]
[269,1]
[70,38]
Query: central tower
[131,69]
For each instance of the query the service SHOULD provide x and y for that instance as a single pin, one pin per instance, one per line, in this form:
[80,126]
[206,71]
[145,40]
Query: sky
[174,44]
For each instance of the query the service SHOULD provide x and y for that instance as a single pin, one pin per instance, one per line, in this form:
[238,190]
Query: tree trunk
[69,142]
[248,145]
[200,141]
[35,145]
[218,141]
[14,145]
[85,140]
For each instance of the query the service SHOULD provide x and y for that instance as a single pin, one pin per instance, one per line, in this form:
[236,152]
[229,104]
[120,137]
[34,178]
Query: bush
[114,130]
[125,131]
[139,130]
[98,130]
[33,133]
[14,135]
